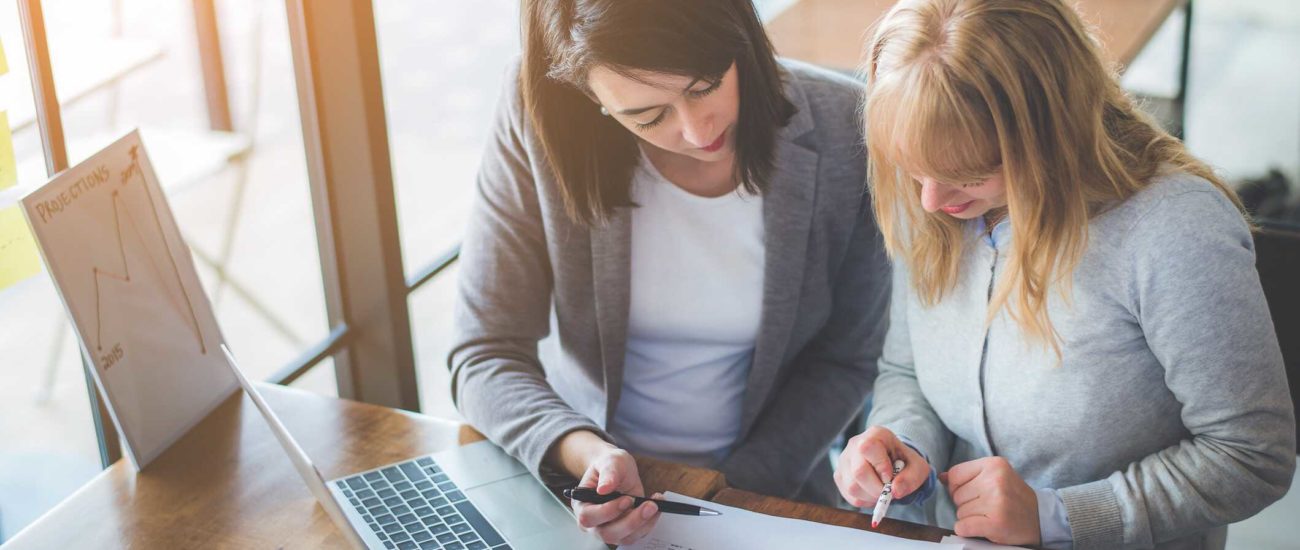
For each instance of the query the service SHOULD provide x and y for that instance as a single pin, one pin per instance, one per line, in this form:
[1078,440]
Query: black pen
[590,496]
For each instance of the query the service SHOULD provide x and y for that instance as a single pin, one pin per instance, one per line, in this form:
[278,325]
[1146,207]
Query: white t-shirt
[696,302]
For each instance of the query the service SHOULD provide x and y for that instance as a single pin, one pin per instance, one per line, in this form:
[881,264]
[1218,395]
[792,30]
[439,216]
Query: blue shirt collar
[1000,235]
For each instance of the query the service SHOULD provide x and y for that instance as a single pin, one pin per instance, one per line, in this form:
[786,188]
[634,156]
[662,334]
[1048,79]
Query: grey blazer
[825,299]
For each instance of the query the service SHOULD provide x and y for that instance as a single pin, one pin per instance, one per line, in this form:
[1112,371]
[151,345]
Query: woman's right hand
[607,468]
[868,462]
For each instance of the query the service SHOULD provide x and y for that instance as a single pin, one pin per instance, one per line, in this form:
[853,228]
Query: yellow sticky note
[4,65]
[8,168]
[19,257]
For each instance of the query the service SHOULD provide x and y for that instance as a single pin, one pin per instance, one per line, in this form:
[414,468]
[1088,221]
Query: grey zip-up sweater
[1168,417]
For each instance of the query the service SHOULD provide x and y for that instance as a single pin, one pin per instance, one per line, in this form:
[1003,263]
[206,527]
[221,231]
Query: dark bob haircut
[591,154]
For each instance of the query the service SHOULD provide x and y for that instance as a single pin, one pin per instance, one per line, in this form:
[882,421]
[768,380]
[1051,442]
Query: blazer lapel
[787,218]
[611,261]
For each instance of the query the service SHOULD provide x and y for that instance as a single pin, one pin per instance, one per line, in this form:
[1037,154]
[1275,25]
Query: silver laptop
[475,497]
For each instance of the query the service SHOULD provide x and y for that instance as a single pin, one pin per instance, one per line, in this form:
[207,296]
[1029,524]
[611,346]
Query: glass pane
[241,197]
[320,379]
[440,108]
[49,447]
[431,324]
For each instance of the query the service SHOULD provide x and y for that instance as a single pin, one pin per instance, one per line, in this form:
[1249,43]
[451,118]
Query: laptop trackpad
[521,509]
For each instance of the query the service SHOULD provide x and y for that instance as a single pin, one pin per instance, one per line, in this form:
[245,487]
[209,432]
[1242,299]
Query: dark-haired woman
[689,216]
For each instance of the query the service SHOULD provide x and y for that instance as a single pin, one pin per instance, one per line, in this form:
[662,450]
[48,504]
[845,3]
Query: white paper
[978,544]
[737,528]
[128,282]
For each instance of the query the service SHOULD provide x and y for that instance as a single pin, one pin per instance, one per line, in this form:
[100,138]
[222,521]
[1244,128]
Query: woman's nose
[934,195]
[697,127]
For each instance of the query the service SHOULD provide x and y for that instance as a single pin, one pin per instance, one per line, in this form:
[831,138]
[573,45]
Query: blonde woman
[1078,338]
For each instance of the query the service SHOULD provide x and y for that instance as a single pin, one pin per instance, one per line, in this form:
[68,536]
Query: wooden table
[227,484]
[833,33]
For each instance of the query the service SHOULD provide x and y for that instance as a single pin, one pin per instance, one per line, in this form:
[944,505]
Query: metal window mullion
[1184,67]
[437,266]
[333,344]
[345,138]
[49,119]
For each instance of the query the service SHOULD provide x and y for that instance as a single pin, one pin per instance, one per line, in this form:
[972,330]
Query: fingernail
[649,510]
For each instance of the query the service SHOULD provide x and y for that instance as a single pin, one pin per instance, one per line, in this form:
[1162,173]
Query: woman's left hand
[993,502]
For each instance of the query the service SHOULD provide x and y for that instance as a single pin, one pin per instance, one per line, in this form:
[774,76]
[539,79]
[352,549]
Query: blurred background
[235,173]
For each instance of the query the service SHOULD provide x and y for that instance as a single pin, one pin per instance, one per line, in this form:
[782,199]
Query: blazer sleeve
[898,403]
[1195,291]
[830,377]
[503,305]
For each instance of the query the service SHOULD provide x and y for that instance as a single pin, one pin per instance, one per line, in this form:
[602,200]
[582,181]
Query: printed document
[738,528]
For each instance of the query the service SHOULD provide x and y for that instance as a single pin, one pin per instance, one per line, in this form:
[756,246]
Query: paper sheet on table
[4,65]
[737,528]
[978,544]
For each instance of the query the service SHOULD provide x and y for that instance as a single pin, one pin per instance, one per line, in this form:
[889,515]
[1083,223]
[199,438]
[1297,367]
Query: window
[443,65]
[238,188]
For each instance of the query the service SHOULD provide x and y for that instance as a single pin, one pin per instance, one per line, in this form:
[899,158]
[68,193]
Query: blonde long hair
[962,89]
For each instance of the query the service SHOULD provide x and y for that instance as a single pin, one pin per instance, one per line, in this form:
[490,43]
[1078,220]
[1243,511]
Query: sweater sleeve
[1193,288]
[898,403]
[503,306]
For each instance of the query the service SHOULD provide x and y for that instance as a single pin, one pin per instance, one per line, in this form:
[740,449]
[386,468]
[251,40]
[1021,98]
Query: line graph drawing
[134,173]
[144,322]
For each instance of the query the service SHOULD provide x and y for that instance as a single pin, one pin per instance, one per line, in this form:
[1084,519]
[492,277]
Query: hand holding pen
[607,469]
[867,465]
[886,496]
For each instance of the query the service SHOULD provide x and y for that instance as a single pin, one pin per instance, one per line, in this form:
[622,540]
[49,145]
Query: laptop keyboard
[414,505]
